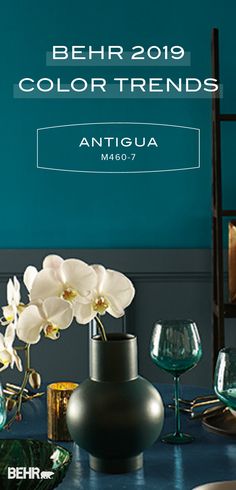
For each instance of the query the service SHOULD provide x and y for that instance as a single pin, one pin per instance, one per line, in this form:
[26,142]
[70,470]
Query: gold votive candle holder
[232,262]
[58,395]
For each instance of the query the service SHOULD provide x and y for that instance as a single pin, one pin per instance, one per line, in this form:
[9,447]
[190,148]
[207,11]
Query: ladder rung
[227,117]
[230,310]
[224,212]
[229,212]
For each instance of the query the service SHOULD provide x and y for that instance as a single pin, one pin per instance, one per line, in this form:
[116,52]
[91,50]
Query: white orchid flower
[8,355]
[51,316]
[112,294]
[53,262]
[50,262]
[66,279]
[13,299]
[29,276]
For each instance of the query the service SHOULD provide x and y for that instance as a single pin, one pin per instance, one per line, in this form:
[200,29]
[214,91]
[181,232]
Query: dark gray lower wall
[169,284]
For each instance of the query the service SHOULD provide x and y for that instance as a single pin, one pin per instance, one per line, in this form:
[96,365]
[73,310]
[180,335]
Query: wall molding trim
[145,260]
[145,265]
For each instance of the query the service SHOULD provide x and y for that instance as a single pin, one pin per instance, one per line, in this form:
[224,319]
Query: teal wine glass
[176,348]
[3,410]
[225,377]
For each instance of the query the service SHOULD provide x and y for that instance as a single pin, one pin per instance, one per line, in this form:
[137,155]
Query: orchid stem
[20,394]
[27,356]
[23,385]
[101,329]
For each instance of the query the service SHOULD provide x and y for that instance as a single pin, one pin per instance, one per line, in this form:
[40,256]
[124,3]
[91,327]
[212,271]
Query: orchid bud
[10,404]
[35,380]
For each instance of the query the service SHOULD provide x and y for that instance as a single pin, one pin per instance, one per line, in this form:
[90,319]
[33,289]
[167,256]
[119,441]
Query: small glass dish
[40,464]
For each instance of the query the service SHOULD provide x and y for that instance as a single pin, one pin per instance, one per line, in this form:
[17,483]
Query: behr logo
[31,473]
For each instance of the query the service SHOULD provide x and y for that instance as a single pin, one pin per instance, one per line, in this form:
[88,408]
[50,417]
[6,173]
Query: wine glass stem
[177,413]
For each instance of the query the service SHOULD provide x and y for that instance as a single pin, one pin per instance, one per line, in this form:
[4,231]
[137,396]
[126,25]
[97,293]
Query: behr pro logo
[31,473]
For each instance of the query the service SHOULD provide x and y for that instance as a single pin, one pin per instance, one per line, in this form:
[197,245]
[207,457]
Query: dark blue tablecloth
[211,457]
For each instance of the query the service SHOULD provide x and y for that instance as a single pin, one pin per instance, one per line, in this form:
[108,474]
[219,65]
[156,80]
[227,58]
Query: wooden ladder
[221,310]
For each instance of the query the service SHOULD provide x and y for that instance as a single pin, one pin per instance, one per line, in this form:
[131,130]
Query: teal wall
[50,209]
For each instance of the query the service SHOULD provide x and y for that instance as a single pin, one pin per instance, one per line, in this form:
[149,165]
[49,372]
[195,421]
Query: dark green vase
[115,414]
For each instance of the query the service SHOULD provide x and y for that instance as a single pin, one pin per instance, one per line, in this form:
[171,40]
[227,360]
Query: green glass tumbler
[176,348]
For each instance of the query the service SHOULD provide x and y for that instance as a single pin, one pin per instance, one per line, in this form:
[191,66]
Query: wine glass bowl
[176,348]
[225,377]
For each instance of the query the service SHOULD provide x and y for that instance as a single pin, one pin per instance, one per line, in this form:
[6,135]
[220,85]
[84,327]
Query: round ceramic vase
[115,414]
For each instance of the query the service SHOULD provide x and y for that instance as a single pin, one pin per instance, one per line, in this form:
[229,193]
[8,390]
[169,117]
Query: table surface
[211,457]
